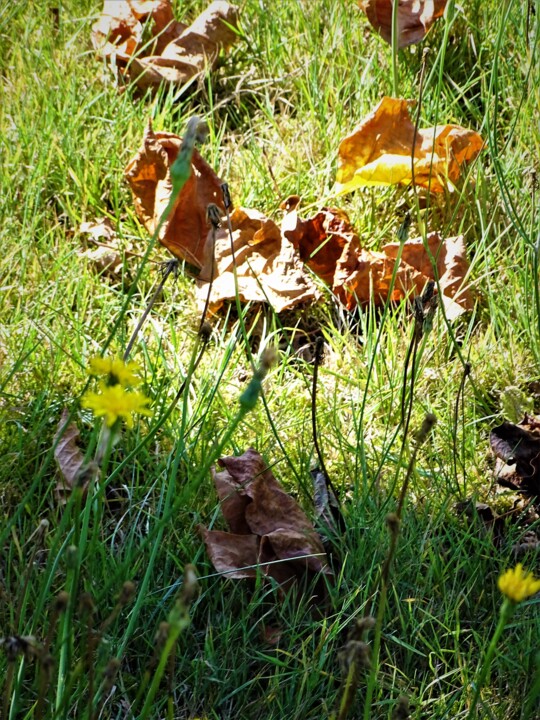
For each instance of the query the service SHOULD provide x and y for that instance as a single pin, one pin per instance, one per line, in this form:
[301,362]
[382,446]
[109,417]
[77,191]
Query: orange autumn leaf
[415,17]
[379,151]
[366,276]
[185,230]
[178,53]
[268,269]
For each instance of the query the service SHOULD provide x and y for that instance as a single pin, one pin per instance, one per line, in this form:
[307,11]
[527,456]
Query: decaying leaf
[271,534]
[328,244]
[185,230]
[519,447]
[268,269]
[105,255]
[415,17]
[70,460]
[175,53]
[379,151]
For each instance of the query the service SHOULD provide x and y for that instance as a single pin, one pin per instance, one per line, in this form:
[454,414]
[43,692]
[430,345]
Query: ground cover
[299,79]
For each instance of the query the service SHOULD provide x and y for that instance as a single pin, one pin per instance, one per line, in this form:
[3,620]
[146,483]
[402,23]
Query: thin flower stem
[171,267]
[507,609]
[395,48]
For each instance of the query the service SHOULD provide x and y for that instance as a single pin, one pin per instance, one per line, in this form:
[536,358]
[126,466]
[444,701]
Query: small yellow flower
[114,402]
[517,584]
[118,371]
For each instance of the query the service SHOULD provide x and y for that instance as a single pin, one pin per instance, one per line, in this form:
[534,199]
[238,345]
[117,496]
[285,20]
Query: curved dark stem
[213,215]
[417,122]
[171,266]
[460,397]
[319,345]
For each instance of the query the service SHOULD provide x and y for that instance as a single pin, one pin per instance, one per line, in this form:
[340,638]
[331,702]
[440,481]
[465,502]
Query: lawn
[99,613]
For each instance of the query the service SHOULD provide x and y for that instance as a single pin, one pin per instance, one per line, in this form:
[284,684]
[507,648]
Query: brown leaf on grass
[69,458]
[176,53]
[185,230]
[268,269]
[415,17]
[271,533]
[328,244]
[519,447]
[105,255]
[379,151]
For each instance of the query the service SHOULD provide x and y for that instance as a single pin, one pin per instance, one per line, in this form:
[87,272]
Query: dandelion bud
[162,634]
[427,427]
[393,522]
[402,711]
[72,556]
[268,358]
[190,589]
[206,331]
[360,627]
[110,672]
[86,604]
[128,591]
[355,654]
[61,602]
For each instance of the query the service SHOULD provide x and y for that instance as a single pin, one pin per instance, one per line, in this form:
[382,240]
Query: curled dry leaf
[268,268]
[178,53]
[105,255]
[379,151]
[328,244]
[518,446]
[70,460]
[271,534]
[185,230]
[415,17]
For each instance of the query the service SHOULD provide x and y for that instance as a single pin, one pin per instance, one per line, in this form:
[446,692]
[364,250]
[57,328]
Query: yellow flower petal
[115,402]
[118,371]
[517,584]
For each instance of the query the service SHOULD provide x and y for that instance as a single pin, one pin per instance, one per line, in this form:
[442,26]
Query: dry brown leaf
[415,17]
[106,253]
[519,447]
[185,230]
[320,240]
[268,525]
[178,54]
[379,151]
[328,244]
[69,458]
[267,266]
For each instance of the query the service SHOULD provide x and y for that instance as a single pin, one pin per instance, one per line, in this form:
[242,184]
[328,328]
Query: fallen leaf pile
[269,532]
[271,260]
[380,149]
[174,53]
[518,447]
[415,17]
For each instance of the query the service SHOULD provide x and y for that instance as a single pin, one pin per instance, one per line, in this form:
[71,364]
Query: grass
[301,77]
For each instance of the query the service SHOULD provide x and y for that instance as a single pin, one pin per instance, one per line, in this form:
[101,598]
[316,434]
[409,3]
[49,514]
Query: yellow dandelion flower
[118,371]
[517,584]
[114,402]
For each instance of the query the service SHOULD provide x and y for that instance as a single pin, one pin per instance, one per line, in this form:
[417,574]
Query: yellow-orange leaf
[380,150]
